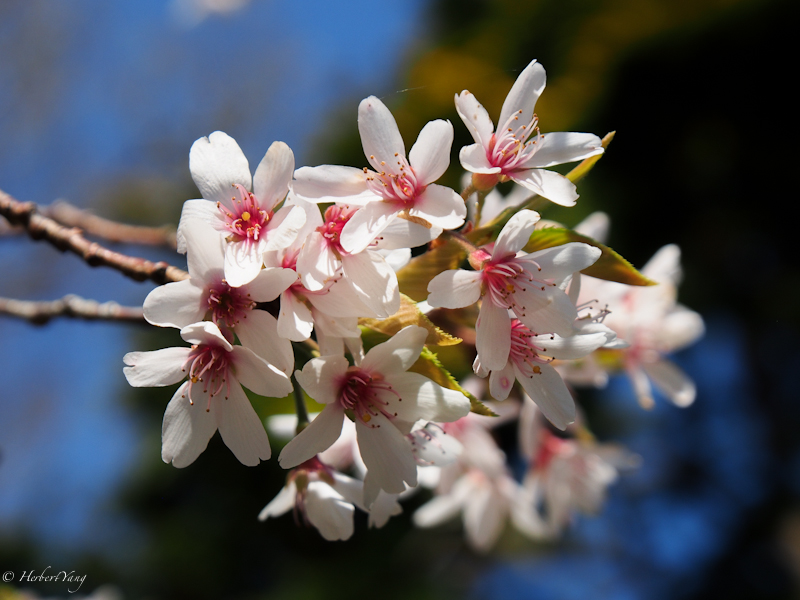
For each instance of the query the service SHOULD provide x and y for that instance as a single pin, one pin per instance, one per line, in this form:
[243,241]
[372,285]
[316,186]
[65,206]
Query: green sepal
[409,314]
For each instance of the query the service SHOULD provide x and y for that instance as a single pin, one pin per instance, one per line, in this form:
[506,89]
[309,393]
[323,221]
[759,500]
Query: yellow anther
[245,216]
[366,417]
[537,369]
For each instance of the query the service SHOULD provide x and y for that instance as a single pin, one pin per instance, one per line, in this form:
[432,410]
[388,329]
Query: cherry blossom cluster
[287,263]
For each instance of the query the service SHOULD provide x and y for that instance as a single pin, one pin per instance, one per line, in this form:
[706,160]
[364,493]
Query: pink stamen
[402,187]
[525,349]
[335,219]
[228,305]
[246,221]
[510,146]
[504,278]
[208,364]
[363,393]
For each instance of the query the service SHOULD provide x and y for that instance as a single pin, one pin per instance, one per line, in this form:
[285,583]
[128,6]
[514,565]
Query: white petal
[430,155]
[570,348]
[284,227]
[330,183]
[445,507]
[280,504]
[317,437]
[421,398]
[317,263]
[380,137]
[387,454]
[672,381]
[294,321]
[202,211]
[665,265]
[205,248]
[679,328]
[493,336]
[524,94]
[547,184]
[455,289]
[549,310]
[271,181]
[374,281]
[186,429]
[475,118]
[385,507]
[329,512]
[396,354]
[259,376]
[501,381]
[270,283]
[321,378]
[595,226]
[349,488]
[157,368]
[176,304]
[561,261]
[550,393]
[440,206]
[216,164]
[473,158]
[205,332]
[241,429]
[484,517]
[401,233]
[366,224]
[515,234]
[562,147]
[258,331]
[641,386]
[243,261]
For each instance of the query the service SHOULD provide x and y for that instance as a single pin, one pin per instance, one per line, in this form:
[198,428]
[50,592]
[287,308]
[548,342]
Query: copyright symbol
[8,576]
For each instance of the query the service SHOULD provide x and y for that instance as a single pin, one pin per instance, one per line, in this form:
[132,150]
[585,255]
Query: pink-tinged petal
[524,94]
[473,158]
[440,206]
[570,348]
[317,263]
[294,320]
[595,226]
[350,489]
[455,289]
[186,429]
[421,398]
[367,224]
[271,283]
[563,147]
[641,386]
[374,281]
[387,454]
[501,381]
[550,393]
[380,136]
[493,336]
[679,328]
[385,507]
[241,429]
[515,234]
[438,510]
[258,331]
[396,354]
[665,265]
[321,378]
[401,233]
[243,262]
[205,332]
[176,304]
[216,164]
[548,184]
[202,211]
[280,504]
[484,517]
[157,368]
[205,249]
[317,437]
[341,301]
[559,262]
[475,118]
[284,229]
[549,310]
[672,382]
[329,512]
[331,183]
[259,376]
[430,155]
[271,181]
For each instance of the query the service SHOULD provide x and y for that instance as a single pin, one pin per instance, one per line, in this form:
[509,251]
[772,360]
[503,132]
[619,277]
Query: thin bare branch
[38,226]
[72,306]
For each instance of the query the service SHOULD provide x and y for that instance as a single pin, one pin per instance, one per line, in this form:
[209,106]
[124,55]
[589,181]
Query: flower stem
[460,240]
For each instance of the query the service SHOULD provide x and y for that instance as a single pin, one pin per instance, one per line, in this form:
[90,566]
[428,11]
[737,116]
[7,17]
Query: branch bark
[71,239]
[72,306]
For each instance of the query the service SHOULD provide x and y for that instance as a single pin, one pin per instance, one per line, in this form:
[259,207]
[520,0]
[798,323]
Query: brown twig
[27,215]
[73,306]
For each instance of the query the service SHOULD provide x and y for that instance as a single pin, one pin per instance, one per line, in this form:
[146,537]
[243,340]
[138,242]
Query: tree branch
[73,306]
[38,226]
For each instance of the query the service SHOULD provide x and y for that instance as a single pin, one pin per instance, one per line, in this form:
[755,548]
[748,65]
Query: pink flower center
[335,219]
[525,349]
[364,394]
[401,187]
[504,278]
[208,364]
[550,446]
[509,147]
[247,219]
[228,305]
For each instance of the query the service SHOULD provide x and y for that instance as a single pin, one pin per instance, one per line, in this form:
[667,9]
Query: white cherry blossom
[517,150]
[212,398]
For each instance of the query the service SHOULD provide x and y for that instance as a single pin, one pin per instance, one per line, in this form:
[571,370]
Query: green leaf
[416,275]
[610,266]
[409,314]
[431,367]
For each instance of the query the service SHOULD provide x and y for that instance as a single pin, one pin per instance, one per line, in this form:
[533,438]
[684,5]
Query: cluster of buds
[314,258]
